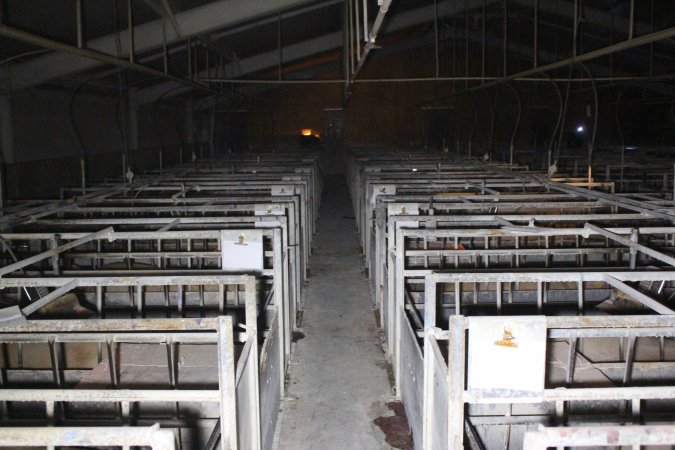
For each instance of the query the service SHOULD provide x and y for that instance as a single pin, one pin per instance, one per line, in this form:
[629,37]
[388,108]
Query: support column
[132,104]
[189,126]
[6,131]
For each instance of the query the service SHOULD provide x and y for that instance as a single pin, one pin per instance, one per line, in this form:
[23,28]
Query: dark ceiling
[601,23]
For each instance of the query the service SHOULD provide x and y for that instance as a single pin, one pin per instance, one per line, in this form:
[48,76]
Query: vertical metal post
[575,28]
[124,167]
[456,369]
[506,36]
[196,56]
[633,250]
[350,36]
[2,189]
[429,303]
[631,19]
[466,44]
[165,54]
[130,30]
[536,34]
[357,35]
[189,59]
[208,63]
[253,359]
[482,64]
[437,71]
[429,392]
[281,55]
[83,175]
[345,44]
[611,42]
[454,59]
[80,24]
[365,20]
[651,46]
[226,385]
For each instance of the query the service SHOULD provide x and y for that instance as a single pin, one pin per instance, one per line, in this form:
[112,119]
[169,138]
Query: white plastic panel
[242,250]
[507,357]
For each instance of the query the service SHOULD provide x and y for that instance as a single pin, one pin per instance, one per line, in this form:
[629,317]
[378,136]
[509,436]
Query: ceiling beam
[310,47]
[92,55]
[148,36]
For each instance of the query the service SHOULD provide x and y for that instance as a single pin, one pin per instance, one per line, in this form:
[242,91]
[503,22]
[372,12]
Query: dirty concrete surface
[338,383]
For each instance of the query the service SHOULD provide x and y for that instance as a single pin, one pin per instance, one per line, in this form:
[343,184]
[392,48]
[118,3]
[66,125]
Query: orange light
[306,132]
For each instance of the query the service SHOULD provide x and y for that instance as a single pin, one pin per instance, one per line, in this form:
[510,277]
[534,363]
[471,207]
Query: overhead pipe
[372,36]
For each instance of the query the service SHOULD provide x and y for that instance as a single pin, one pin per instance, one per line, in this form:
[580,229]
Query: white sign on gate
[242,250]
[507,357]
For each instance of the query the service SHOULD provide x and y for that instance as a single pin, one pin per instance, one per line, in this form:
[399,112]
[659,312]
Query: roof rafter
[148,36]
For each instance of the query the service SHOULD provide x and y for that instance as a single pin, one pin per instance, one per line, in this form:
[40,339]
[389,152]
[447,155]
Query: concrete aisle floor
[338,378]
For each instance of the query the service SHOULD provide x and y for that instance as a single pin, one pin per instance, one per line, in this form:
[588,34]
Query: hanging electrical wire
[21,55]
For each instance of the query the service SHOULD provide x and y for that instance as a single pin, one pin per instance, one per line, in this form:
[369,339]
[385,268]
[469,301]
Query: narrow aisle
[338,378]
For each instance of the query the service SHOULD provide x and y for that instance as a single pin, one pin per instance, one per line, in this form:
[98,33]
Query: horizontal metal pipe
[646,250]
[113,325]
[583,394]
[88,437]
[105,233]
[638,296]
[47,299]
[438,79]
[108,395]
[211,280]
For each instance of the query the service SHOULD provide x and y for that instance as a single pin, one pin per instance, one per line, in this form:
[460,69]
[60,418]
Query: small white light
[580,129]
[631,148]
[414,170]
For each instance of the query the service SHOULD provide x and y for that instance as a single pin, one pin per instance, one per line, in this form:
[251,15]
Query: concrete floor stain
[297,335]
[395,428]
